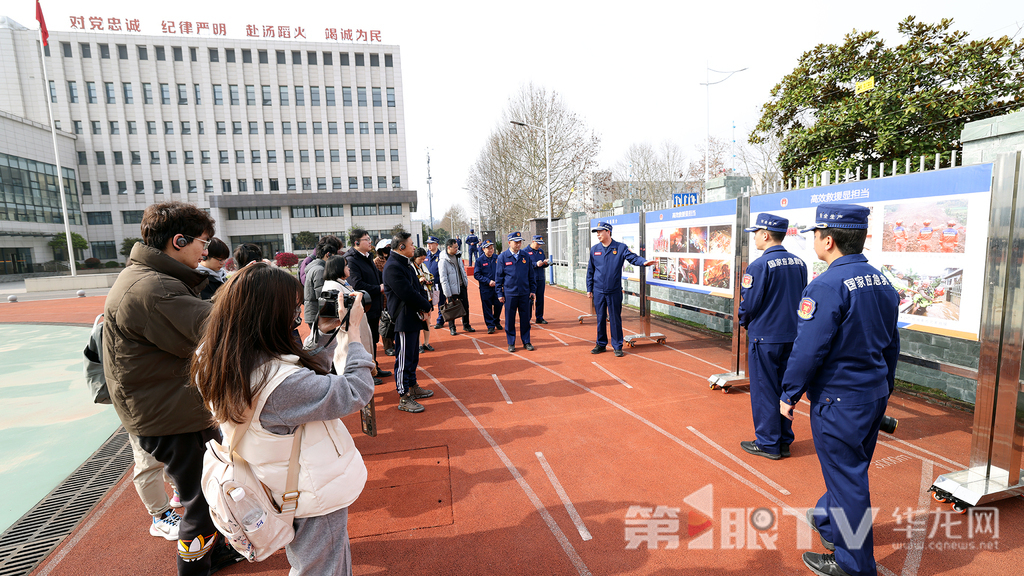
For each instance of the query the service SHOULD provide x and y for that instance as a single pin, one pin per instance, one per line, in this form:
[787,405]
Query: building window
[335,156]
[367,182]
[236,127]
[172,157]
[389,61]
[78,126]
[147,93]
[391,97]
[286,127]
[389,209]
[349,128]
[101,160]
[193,54]
[165,93]
[303,155]
[378,127]
[127,89]
[281,57]
[307,184]
[86,188]
[329,94]
[353,183]
[233,94]
[266,96]
[161,54]
[83,158]
[158,188]
[361,94]
[359,60]
[331,210]
[103,250]
[133,128]
[271,156]
[191,185]
[311,58]
[246,59]
[257,185]
[214,55]
[263,56]
[296,57]
[85,50]
[300,97]
[168,127]
[290,183]
[319,155]
[375,92]
[268,127]
[225,185]
[314,95]
[283,94]
[104,188]
[303,211]
[122,51]
[274,187]
[328,59]
[154,157]
[72,92]
[346,96]
[208,186]
[205,156]
[332,127]
[143,53]
[364,127]
[243,186]
[122,187]
[375,60]
[177,53]
[318,127]
[90,90]
[364,209]
[224,157]
[118,158]
[96,127]
[250,95]
[53,91]
[381,157]
[186,127]
[366,155]
[150,127]
[254,127]
[382,182]
[175,187]
[140,187]
[182,94]
[344,59]
[136,157]
[66,48]
[394,155]
[336,183]
[218,95]
[199,99]
[189,157]
[222,127]
[302,127]
[114,127]
[321,183]
[351,154]
[239,156]
[255,156]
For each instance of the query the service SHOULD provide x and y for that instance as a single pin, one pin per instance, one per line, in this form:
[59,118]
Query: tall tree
[718,151]
[650,174]
[926,89]
[509,175]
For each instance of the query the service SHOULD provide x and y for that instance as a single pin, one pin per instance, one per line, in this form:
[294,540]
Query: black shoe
[428,347]
[823,564]
[499,327]
[752,448]
[528,346]
[814,526]
[377,381]
[511,348]
[542,321]
[619,353]
[422,348]
[452,330]
[785,450]
[598,349]
[490,329]
[390,351]
[468,329]
[438,326]
[384,373]
[224,556]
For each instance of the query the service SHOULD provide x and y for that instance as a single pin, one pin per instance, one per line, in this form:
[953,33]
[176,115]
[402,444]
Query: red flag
[42,24]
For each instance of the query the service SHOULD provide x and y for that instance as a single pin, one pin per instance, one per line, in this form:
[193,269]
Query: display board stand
[994,472]
[645,305]
[738,359]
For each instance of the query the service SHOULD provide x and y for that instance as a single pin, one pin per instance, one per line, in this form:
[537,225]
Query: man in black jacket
[363,275]
[409,306]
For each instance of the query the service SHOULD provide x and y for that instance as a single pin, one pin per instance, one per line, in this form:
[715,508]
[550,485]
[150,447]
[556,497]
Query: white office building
[272,136]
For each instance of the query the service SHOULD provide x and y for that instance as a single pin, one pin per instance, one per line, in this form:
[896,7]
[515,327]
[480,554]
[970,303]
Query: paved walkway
[546,462]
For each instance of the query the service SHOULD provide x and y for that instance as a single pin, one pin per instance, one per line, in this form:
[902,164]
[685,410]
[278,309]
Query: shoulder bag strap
[290,497]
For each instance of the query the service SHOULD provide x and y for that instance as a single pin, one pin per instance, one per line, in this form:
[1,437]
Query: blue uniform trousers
[539,302]
[520,305]
[845,438]
[609,307]
[407,358]
[474,253]
[766,366]
[491,305]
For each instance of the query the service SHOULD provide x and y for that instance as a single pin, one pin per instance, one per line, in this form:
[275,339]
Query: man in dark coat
[363,275]
[410,308]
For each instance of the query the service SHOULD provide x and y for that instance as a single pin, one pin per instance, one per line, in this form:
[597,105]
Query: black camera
[329,302]
[889,424]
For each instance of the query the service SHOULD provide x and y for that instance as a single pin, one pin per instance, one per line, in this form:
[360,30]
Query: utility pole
[430,195]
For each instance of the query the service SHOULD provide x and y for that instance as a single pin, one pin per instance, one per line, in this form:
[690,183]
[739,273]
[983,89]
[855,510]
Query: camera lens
[889,424]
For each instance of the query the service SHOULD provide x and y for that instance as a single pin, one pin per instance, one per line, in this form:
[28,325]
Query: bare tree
[760,161]
[455,220]
[648,174]
[509,175]
[694,181]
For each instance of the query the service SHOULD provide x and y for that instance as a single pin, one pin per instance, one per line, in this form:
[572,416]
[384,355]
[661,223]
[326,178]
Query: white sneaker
[176,499]
[166,526]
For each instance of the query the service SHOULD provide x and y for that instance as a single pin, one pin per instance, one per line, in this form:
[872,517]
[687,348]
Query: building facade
[273,136]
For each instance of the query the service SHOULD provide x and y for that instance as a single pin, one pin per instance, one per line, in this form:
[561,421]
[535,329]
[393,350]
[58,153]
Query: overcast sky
[632,69]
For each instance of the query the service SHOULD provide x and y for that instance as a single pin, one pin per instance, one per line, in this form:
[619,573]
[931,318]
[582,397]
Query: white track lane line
[670,366]
[695,357]
[478,349]
[564,343]
[737,460]
[958,465]
[546,297]
[620,380]
[915,548]
[582,528]
[560,536]
[502,388]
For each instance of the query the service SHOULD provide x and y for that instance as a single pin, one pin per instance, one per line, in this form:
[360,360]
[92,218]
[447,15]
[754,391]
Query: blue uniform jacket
[485,270]
[472,240]
[604,271]
[433,260]
[770,294]
[847,340]
[536,256]
[514,276]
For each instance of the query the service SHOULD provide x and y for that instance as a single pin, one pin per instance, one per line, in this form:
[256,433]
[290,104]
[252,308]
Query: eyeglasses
[206,243]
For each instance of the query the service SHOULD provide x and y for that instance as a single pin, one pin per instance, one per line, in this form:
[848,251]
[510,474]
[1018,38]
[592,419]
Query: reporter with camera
[336,280]
[844,359]
[409,307]
[363,275]
[326,247]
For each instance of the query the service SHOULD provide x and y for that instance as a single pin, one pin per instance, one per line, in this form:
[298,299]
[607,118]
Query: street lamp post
[547,178]
[707,86]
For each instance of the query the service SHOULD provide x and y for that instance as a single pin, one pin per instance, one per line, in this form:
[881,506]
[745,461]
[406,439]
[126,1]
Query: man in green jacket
[153,319]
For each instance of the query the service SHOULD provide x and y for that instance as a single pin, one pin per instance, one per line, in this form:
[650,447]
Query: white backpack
[223,472]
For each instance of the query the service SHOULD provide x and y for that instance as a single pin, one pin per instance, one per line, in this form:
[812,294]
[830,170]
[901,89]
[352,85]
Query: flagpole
[56,157]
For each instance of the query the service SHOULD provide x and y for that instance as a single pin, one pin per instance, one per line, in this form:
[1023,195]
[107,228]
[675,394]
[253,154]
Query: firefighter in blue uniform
[473,241]
[485,272]
[770,293]
[515,286]
[540,262]
[844,360]
[433,260]
[604,284]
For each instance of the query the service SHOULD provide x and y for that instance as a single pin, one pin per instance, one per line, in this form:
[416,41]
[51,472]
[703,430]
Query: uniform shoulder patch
[748,281]
[806,309]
